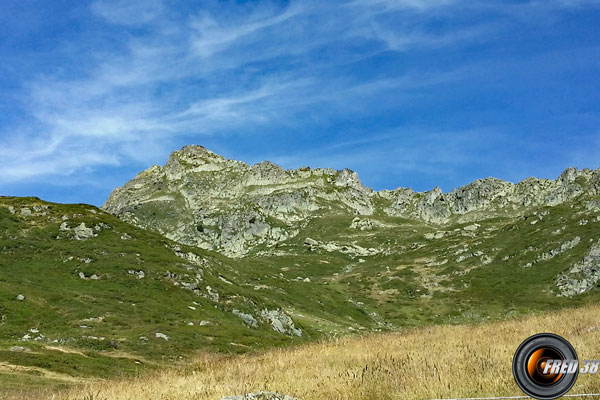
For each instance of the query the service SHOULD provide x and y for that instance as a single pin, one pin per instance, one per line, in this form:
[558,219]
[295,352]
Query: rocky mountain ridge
[202,199]
[317,255]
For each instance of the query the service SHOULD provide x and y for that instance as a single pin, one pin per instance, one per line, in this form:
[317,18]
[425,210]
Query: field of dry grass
[437,362]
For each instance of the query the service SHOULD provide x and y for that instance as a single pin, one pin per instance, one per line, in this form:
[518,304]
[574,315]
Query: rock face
[491,195]
[583,276]
[203,199]
[281,322]
[566,246]
[247,318]
[365,224]
[80,232]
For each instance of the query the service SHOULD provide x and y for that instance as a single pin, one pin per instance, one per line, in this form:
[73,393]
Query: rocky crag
[202,199]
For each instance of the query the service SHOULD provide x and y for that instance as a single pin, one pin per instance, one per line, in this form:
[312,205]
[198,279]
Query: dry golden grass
[436,362]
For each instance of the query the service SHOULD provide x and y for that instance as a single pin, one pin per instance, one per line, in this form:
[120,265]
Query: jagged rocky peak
[196,159]
[196,155]
[268,173]
[349,178]
[491,195]
[204,199]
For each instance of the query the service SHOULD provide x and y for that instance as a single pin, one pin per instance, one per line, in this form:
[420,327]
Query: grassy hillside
[425,363]
[87,312]
[84,295]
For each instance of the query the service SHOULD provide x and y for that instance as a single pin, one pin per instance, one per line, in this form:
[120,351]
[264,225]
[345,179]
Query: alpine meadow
[299,199]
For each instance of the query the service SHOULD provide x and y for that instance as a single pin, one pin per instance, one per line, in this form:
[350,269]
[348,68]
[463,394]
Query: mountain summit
[203,199]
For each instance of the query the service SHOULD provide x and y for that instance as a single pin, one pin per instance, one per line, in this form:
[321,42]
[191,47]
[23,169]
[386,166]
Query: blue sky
[405,92]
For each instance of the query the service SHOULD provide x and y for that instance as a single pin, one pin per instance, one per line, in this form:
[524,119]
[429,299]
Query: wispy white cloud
[128,12]
[415,5]
[568,3]
[406,41]
[209,36]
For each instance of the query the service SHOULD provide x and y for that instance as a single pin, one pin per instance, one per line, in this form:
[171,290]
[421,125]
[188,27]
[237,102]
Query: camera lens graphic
[537,363]
[530,362]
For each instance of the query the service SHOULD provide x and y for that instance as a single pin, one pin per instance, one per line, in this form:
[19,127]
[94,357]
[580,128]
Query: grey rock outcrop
[203,199]
[82,232]
[365,224]
[566,246]
[139,274]
[583,276]
[491,195]
[310,242]
[19,349]
[353,250]
[247,318]
[281,322]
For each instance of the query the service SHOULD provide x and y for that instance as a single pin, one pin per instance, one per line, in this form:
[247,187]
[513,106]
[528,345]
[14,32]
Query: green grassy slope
[85,327]
[423,281]
[73,326]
